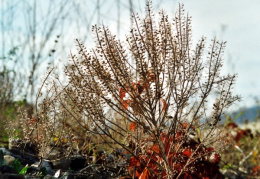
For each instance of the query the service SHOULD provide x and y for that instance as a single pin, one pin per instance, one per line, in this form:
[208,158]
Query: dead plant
[149,95]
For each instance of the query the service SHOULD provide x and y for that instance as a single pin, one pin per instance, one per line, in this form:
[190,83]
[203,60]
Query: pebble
[8,159]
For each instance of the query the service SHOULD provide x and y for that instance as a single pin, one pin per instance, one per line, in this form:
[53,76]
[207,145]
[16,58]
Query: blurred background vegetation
[36,35]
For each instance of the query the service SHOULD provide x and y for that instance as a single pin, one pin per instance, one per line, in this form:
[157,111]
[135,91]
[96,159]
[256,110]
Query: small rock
[57,173]
[32,170]
[68,175]
[12,176]
[62,164]
[8,159]
[5,151]
[7,169]
[48,167]
[23,157]
[31,177]
[45,164]
[49,177]
[78,162]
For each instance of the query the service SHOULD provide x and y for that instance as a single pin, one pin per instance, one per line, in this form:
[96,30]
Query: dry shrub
[149,95]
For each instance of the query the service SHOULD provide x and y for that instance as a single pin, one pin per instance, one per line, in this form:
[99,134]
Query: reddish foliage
[185,125]
[256,171]
[137,89]
[243,133]
[164,104]
[232,125]
[239,132]
[206,166]
[145,174]
[155,148]
[122,93]
[239,135]
[132,126]
[151,76]
[213,156]
[187,152]
[187,176]
[178,150]
[125,104]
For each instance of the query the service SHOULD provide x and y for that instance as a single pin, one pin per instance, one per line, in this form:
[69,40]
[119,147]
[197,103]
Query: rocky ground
[17,163]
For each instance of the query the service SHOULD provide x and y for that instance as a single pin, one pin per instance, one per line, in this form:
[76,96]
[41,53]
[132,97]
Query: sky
[234,21]
[237,22]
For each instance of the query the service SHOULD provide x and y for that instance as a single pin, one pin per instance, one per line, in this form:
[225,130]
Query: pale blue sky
[238,23]
[235,21]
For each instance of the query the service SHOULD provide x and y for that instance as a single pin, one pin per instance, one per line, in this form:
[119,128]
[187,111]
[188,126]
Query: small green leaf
[24,170]
[229,120]
[16,164]
[228,166]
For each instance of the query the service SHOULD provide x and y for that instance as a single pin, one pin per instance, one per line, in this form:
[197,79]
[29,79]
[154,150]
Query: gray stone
[24,158]
[44,164]
[49,177]
[5,151]
[33,170]
[48,167]
[12,176]
[7,169]
[69,175]
[8,159]
[62,164]
[78,162]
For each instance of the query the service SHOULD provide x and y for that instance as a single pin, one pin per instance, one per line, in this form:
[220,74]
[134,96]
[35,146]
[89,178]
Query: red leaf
[217,158]
[256,168]
[187,176]
[164,104]
[209,149]
[187,152]
[145,174]
[232,125]
[239,135]
[256,171]
[125,104]
[132,126]
[122,93]
[185,125]
[134,162]
[155,148]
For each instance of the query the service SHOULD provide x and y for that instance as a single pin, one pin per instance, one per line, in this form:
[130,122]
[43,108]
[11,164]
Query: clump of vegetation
[10,89]
[149,95]
[242,157]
